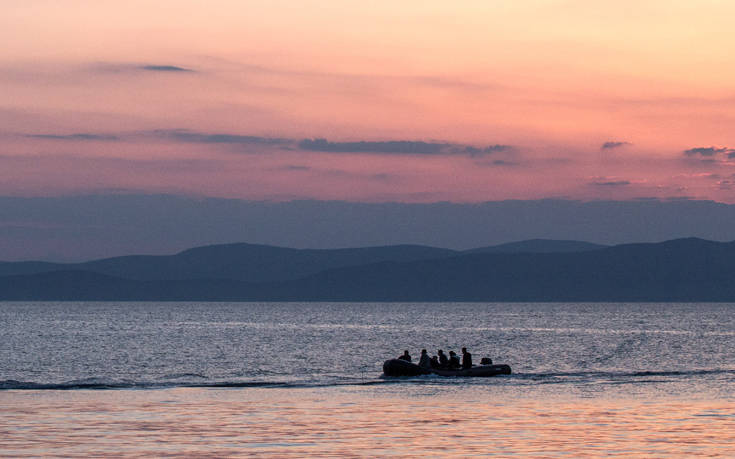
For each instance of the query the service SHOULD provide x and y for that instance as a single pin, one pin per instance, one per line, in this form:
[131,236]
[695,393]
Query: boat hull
[397,367]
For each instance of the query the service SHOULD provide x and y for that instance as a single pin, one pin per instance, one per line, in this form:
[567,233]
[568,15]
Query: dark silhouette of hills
[678,270]
[262,263]
[9,268]
[248,262]
[539,246]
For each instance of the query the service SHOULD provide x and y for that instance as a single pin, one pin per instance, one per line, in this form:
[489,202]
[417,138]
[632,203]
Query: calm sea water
[294,379]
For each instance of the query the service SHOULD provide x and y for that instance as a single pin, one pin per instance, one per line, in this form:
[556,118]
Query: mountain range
[688,269]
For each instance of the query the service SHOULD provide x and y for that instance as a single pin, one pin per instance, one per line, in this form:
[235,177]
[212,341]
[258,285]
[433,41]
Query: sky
[80,228]
[382,101]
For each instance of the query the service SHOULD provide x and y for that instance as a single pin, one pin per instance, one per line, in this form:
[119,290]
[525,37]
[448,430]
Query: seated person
[405,356]
[454,360]
[486,361]
[443,360]
[424,361]
[435,362]
[466,358]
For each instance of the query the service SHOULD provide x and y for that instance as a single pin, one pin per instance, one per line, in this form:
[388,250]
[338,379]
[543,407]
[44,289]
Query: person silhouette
[424,361]
[453,360]
[443,360]
[466,358]
[405,356]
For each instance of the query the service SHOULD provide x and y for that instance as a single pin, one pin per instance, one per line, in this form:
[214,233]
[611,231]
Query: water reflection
[375,421]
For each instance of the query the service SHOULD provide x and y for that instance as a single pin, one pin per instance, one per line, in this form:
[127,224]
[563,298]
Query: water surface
[294,379]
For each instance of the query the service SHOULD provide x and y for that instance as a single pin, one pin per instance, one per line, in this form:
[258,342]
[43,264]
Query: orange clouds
[556,80]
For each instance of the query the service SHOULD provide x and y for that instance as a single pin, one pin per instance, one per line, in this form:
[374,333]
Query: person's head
[451,352]
[405,352]
[464,350]
[423,351]
[440,352]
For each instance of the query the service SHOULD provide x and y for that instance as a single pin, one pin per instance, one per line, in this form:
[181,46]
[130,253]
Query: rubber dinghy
[398,367]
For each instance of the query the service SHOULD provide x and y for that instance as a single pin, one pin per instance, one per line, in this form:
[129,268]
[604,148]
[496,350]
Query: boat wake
[191,380]
[10,384]
[622,374]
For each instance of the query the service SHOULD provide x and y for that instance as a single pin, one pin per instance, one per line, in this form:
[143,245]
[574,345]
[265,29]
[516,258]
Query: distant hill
[262,263]
[10,268]
[247,262]
[539,246]
[678,270]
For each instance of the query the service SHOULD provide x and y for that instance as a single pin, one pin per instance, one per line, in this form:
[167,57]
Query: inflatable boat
[398,367]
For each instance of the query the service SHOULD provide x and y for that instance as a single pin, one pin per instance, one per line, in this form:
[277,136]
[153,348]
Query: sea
[171,379]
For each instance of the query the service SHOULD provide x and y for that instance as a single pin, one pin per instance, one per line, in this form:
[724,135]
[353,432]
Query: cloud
[502,162]
[680,198]
[294,167]
[399,147]
[497,163]
[446,83]
[475,151]
[164,68]
[183,135]
[382,176]
[341,173]
[704,175]
[377,78]
[496,148]
[78,136]
[108,67]
[83,164]
[709,151]
[388,147]
[613,144]
[611,183]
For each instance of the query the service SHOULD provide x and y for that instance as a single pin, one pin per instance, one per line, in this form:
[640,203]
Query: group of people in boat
[443,362]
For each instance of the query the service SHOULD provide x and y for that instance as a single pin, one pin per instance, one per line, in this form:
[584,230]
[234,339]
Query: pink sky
[105,96]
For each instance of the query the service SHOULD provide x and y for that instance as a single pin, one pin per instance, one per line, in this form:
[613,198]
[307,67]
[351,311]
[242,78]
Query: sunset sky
[415,101]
